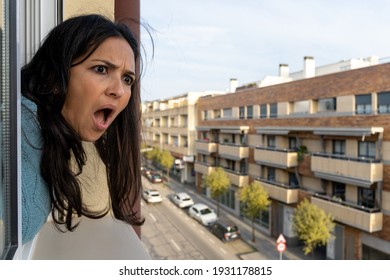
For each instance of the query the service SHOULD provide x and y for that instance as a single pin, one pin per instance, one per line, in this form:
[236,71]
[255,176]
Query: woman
[80,88]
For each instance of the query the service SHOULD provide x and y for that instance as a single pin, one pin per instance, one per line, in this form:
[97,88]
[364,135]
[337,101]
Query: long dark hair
[44,81]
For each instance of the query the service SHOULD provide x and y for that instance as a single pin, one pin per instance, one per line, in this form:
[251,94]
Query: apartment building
[170,124]
[324,137]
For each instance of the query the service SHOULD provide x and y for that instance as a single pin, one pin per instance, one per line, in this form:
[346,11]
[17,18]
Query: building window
[292,143]
[217,114]
[249,112]
[242,112]
[363,104]
[229,198]
[8,131]
[263,111]
[366,197]
[227,113]
[339,147]
[273,110]
[367,149]
[292,180]
[271,142]
[338,191]
[302,107]
[327,104]
[205,115]
[271,174]
[384,103]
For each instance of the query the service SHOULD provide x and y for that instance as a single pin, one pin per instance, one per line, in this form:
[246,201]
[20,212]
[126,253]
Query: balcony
[279,191]
[281,158]
[206,147]
[237,178]
[369,220]
[233,151]
[204,168]
[357,171]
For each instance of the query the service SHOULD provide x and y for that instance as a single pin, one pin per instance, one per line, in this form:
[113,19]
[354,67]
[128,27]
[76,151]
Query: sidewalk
[264,245]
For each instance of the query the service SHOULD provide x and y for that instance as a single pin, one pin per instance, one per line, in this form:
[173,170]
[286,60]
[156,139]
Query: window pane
[263,111]
[273,110]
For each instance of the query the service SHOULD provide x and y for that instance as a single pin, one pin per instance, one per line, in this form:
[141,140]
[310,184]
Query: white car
[203,214]
[182,200]
[152,196]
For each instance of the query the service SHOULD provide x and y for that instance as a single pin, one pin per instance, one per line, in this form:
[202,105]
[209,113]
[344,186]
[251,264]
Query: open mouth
[103,115]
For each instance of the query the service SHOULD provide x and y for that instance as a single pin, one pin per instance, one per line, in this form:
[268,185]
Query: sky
[199,45]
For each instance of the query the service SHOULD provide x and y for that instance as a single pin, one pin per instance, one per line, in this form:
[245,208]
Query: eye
[101,69]
[128,80]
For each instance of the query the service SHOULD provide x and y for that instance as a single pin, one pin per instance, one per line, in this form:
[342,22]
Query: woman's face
[99,88]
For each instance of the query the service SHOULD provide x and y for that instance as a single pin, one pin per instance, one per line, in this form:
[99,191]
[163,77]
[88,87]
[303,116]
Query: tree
[166,161]
[255,199]
[312,225]
[218,182]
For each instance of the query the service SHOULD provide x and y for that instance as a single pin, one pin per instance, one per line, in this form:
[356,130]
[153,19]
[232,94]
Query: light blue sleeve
[36,204]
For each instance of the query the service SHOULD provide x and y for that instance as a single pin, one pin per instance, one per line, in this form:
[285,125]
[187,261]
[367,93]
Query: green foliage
[312,225]
[154,155]
[166,160]
[255,199]
[217,181]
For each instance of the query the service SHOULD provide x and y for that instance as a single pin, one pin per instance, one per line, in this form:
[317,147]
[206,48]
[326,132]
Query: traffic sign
[281,239]
[281,247]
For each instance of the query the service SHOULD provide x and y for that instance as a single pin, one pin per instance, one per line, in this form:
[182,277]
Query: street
[169,233]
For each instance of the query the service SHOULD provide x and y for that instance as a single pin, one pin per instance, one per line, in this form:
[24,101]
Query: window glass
[242,112]
[302,107]
[339,190]
[263,111]
[367,149]
[384,103]
[273,110]
[363,104]
[249,112]
[339,147]
[8,121]
[366,197]
[271,141]
[227,113]
[327,104]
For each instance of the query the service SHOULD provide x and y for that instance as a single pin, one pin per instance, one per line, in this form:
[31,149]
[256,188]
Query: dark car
[225,230]
[154,177]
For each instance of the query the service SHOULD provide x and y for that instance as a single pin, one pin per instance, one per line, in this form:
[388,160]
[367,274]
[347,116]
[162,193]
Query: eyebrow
[112,65]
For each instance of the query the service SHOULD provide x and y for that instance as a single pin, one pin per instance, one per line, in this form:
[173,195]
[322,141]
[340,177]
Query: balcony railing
[364,218]
[233,151]
[363,169]
[206,146]
[203,167]
[239,179]
[280,191]
[278,157]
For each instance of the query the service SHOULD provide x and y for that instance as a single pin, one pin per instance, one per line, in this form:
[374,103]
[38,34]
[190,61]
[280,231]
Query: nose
[116,87]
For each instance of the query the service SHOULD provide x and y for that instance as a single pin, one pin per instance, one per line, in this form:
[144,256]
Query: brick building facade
[325,137]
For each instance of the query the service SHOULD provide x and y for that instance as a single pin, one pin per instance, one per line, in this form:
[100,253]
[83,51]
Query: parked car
[151,196]
[203,214]
[225,230]
[182,200]
[154,177]
[145,171]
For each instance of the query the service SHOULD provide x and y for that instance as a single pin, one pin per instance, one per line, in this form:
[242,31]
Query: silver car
[203,214]
[182,200]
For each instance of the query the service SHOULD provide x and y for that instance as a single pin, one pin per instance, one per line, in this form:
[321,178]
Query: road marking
[222,250]
[153,217]
[176,246]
